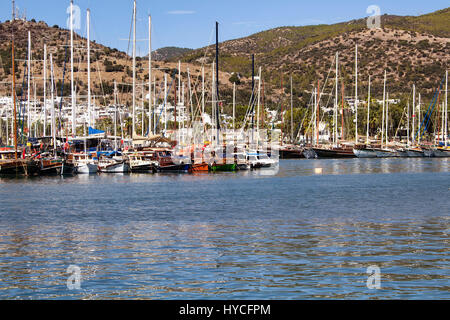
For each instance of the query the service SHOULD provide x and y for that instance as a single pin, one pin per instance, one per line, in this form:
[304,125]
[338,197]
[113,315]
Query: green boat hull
[224,168]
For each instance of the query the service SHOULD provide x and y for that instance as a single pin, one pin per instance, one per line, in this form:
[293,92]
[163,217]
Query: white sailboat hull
[115,168]
[441,153]
[366,153]
[87,168]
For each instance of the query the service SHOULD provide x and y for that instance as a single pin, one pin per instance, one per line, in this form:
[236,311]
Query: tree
[235,79]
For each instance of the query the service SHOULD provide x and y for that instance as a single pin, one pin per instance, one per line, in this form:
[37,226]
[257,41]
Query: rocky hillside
[107,65]
[169,53]
[411,49]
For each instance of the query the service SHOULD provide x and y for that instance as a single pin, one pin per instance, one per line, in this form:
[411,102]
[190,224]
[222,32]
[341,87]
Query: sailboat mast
[282,110]
[407,124]
[213,98]
[217,84]
[115,115]
[314,115]
[143,110]
[446,108]
[336,101]
[292,111]
[368,114]
[418,118]
[52,95]
[165,103]
[72,90]
[318,113]
[179,81]
[387,119]
[384,107]
[150,107]
[257,111]
[88,18]
[44,133]
[203,90]
[356,94]
[134,68]
[28,86]
[14,97]
[342,111]
[234,106]
[253,95]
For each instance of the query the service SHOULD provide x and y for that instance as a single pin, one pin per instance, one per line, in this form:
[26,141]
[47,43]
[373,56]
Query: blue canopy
[95,131]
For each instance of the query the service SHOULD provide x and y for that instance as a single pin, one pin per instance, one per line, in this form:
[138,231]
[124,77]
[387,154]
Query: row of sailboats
[414,147]
[214,156]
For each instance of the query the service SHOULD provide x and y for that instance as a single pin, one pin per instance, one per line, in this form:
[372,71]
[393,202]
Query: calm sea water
[289,234]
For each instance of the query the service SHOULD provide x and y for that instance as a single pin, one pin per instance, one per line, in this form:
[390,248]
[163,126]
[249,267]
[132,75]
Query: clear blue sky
[189,23]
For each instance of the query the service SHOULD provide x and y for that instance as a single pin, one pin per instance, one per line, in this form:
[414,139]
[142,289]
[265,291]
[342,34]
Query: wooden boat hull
[144,168]
[201,167]
[175,168]
[68,169]
[334,153]
[287,154]
[19,167]
[50,167]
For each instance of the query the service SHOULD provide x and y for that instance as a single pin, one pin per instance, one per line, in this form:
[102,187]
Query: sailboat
[218,162]
[364,151]
[443,151]
[10,164]
[335,151]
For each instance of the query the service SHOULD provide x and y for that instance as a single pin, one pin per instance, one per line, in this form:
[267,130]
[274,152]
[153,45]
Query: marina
[281,166]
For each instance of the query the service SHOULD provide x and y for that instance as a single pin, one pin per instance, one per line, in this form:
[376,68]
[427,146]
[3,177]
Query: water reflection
[290,259]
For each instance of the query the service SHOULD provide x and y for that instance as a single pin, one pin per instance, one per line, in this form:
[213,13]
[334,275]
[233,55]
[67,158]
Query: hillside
[169,53]
[411,49]
[107,64]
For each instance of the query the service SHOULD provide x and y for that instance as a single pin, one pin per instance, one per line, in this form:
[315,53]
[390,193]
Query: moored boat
[415,153]
[364,152]
[386,153]
[334,153]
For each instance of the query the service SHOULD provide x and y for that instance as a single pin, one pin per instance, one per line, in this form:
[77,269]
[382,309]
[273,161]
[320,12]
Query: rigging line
[101,83]
[62,84]
[25,72]
[404,112]
[129,35]
[428,114]
[22,104]
[165,99]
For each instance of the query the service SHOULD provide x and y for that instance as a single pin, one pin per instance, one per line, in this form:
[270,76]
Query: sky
[190,23]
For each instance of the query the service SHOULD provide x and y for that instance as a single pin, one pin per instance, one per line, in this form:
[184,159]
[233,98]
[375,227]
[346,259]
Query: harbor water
[308,230]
